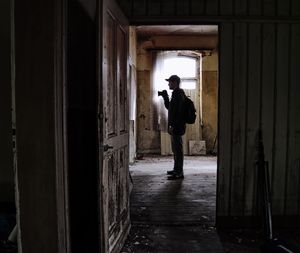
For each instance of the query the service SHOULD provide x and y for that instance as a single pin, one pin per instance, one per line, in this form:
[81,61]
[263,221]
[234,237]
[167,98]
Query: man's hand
[163,93]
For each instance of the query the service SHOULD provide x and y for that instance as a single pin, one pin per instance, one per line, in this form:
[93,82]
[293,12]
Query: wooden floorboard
[179,216]
[156,200]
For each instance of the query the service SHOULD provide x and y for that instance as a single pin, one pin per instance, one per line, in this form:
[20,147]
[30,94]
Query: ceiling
[163,30]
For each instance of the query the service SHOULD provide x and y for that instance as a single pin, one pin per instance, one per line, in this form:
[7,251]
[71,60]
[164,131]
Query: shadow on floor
[179,216]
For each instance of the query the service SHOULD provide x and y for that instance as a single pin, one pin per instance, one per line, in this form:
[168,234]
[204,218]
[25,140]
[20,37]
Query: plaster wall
[148,140]
[210,100]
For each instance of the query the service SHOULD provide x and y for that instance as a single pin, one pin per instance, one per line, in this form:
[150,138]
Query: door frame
[142,22]
[61,128]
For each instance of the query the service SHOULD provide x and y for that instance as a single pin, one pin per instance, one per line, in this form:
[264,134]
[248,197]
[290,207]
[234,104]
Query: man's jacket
[175,108]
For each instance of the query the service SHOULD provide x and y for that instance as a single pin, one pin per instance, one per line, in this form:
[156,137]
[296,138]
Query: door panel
[115,138]
[121,65]
[111,108]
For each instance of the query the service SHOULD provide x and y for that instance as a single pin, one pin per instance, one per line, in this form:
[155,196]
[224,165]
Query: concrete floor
[179,216]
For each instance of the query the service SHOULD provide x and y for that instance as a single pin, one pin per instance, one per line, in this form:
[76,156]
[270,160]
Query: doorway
[193,53]
[156,53]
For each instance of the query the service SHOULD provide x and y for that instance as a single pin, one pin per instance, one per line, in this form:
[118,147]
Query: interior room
[82,122]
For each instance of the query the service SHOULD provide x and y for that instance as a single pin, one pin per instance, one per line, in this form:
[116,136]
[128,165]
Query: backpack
[189,111]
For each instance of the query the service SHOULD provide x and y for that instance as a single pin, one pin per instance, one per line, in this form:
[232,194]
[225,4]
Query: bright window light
[188,85]
[168,63]
[181,66]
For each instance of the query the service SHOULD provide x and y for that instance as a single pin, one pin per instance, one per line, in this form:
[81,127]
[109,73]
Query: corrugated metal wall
[259,86]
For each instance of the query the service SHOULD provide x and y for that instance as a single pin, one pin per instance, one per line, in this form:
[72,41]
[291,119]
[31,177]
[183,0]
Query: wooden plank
[295,8]
[197,7]
[241,7]
[226,7]
[292,194]
[139,7]
[168,7]
[254,7]
[269,8]
[239,119]
[277,180]
[125,6]
[283,8]
[192,200]
[254,69]
[225,115]
[183,8]
[268,85]
[212,7]
[154,7]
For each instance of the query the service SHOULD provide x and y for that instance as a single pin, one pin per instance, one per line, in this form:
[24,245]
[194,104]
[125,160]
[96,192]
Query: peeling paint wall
[210,100]
[148,140]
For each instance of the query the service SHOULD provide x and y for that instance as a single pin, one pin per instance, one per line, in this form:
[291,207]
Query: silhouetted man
[176,124]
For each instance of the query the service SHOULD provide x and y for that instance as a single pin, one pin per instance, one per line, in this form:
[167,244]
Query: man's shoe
[170,172]
[176,176]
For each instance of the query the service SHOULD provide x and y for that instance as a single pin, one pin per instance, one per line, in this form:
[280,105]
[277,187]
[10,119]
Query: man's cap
[173,78]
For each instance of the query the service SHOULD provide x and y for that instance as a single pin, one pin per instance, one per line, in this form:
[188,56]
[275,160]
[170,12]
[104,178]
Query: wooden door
[114,132]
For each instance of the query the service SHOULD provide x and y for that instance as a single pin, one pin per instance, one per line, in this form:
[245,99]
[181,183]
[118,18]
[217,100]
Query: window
[176,63]
[185,64]
[185,68]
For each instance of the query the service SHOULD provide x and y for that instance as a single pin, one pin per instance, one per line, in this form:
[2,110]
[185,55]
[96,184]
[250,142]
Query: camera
[162,93]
